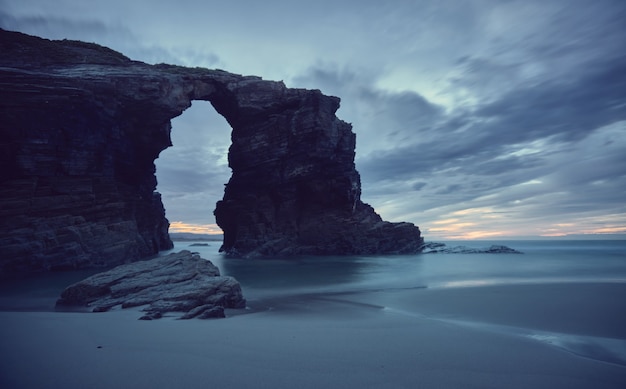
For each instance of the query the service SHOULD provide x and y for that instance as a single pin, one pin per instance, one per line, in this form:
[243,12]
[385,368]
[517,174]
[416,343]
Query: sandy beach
[548,335]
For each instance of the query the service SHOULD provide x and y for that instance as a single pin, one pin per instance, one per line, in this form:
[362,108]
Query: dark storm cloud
[569,109]
[53,27]
[449,189]
[114,35]
[472,152]
[563,111]
[408,109]
[182,179]
[547,129]
[582,27]
[418,186]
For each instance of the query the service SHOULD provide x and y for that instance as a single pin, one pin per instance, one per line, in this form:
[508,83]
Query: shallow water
[541,261]
[566,294]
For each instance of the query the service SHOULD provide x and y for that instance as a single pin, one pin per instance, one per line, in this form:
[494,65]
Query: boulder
[180,282]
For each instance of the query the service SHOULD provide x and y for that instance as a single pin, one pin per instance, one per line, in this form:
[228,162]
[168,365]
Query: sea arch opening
[192,172]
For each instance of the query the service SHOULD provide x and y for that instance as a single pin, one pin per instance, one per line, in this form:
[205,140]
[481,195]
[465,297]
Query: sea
[541,261]
[579,309]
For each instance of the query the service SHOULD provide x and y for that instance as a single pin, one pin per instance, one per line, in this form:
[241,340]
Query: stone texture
[179,282]
[442,248]
[82,126]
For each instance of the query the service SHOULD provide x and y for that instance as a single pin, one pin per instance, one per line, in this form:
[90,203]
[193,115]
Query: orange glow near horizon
[211,229]
[456,234]
[609,224]
[479,223]
[472,223]
[606,230]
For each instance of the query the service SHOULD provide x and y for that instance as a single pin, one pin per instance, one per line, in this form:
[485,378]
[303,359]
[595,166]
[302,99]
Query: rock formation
[442,248]
[181,282]
[81,126]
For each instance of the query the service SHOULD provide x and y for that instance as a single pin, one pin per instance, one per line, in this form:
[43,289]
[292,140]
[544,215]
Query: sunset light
[179,226]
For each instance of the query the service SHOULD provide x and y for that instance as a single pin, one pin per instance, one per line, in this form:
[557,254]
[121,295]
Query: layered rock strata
[81,126]
[182,283]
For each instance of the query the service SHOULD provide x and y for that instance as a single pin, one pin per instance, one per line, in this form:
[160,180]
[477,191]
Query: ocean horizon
[541,261]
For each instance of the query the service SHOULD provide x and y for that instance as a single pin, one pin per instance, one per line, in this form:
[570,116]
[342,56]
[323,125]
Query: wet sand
[551,335]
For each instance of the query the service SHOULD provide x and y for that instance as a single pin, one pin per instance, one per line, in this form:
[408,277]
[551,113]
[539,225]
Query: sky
[474,119]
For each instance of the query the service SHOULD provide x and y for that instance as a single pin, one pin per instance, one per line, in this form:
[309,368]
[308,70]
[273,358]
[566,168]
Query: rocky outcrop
[442,248]
[81,126]
[181,282]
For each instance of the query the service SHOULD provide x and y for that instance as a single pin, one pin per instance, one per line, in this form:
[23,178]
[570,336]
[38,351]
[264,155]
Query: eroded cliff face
[81,126]
[294,187]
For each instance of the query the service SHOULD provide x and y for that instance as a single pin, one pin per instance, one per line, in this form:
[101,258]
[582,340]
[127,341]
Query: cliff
[81,126]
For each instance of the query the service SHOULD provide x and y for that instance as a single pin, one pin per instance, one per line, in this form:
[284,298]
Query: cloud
[381,119]
[191,174]
[568,108]
[113,34]
[496,137]
[514,109]
[519,121]
[55,27]
[575,185]
[181,180]
[418,186]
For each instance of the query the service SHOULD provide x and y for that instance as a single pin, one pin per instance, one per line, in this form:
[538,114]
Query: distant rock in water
[198,245]
[83,124]
[179,282]
[434,247]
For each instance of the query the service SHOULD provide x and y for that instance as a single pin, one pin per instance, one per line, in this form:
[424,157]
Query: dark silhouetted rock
[180,282]
[82,126]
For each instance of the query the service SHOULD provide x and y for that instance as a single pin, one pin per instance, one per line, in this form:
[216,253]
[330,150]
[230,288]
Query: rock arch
[82,126]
